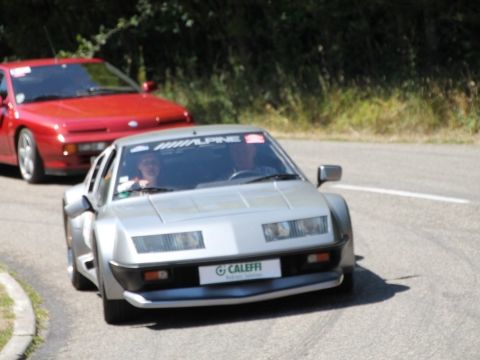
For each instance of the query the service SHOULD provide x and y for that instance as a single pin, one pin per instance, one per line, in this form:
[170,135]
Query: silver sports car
[207,215]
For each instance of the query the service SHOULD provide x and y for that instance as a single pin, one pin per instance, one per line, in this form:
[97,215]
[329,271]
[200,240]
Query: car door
[99,186]
[93,182]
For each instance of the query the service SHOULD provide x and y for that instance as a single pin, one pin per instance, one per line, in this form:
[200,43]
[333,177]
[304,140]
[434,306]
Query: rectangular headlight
[295,228]
[169,242]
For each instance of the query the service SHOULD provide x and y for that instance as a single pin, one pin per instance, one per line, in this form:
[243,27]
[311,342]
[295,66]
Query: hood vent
[82,131]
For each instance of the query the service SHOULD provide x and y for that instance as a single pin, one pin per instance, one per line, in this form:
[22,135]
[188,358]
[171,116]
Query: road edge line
[402,193]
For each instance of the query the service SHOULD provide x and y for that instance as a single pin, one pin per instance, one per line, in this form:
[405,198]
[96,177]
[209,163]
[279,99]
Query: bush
[414,107]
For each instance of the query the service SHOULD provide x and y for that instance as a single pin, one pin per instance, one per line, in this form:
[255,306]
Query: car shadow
[369,288]
[63,180]
[10,171]
[13,172]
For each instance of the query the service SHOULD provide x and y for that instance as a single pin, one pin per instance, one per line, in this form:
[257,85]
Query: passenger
[147,174]
[149,170]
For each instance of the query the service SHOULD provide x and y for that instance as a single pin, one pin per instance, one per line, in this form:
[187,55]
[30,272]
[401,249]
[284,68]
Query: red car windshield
[42,83]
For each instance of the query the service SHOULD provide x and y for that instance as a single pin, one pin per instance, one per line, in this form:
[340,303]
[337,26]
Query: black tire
[348,284]
[114,311]
[29,161]
[78,281]
[117,311]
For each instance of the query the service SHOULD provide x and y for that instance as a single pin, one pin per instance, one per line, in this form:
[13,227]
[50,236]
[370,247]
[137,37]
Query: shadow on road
[369,289]
[13,173]
[10,171]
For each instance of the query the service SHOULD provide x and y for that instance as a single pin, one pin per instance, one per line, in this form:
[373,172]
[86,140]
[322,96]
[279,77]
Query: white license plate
[222,273]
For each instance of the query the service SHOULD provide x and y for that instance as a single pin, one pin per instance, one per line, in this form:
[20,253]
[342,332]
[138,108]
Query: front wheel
[117,311]
[29,160]
[114,311]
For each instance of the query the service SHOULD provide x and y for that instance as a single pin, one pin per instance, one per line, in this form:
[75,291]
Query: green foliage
[41,315]
[423,108]
[7,317]
[377,65]
[207,100]
[88,48]
[6,312]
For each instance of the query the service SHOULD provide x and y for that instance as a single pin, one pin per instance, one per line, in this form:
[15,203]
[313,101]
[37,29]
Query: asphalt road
[417,293]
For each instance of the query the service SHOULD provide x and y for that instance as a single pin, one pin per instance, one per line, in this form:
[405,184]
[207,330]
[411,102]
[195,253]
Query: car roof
[178,133]
[49,61]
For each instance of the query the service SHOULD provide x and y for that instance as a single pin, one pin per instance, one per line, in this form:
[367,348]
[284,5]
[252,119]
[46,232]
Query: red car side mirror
[149,86]
[3,109]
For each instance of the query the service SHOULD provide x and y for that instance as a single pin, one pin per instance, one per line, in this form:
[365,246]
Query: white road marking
[402,193]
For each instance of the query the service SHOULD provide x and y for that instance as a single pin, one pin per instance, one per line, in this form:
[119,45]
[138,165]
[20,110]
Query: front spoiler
[231,294]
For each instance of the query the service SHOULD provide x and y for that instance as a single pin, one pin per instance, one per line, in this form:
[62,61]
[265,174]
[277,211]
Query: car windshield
[200,162]
[60,81]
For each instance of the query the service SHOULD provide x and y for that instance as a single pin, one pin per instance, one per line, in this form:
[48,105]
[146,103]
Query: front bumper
[236,293]
[183,288]
[186,275]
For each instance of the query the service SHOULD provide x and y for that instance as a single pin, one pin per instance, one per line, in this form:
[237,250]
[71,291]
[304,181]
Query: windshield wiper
[109,90]
[146,190]
[46,97]
[274,177]
[153,190]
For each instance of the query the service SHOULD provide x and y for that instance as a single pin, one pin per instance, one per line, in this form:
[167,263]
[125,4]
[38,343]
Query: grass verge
[7,317]
[418,111]
[41,315]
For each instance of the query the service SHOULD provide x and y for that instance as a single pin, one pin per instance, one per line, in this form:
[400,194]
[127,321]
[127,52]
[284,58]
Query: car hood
[80,113]
[287,196]
[230,219]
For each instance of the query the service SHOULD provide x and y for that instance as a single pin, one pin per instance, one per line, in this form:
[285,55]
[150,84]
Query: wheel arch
[103,253]
[16,137]
[341,216]
[32,166]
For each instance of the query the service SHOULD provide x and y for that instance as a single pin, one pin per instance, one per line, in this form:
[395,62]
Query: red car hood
[106,112]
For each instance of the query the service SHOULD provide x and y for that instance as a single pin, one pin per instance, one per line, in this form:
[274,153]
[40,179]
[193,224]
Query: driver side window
[105,180]
[94,172]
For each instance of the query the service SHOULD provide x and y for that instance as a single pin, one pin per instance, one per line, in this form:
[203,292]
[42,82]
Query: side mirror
[328,173]
[78,207]
[3,109]
[149,86]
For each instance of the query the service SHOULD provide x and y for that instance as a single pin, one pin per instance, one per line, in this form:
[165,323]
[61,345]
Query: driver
[243,156]
[245,161]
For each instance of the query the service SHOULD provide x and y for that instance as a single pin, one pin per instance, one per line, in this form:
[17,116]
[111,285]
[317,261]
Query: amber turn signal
[318,257]
[155,275]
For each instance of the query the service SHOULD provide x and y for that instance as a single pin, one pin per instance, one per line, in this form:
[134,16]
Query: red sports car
[55,114]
